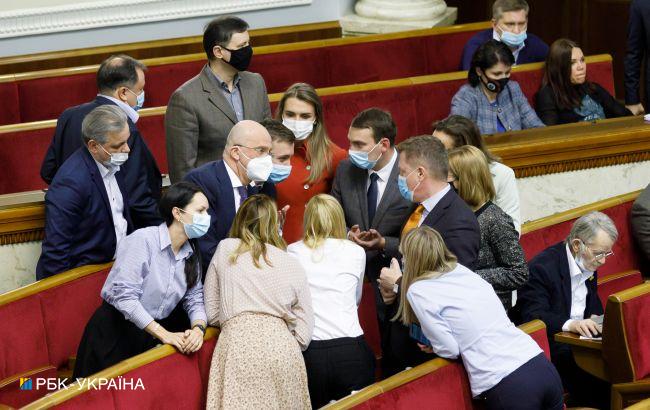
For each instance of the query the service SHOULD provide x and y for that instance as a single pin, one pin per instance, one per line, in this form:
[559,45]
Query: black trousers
[584,389]
[336,367]
[535,385]
[109,338]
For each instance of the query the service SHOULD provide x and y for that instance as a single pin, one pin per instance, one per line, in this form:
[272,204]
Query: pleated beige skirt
[257,364]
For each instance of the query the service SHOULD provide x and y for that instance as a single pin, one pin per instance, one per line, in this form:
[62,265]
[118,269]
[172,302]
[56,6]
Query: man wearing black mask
[202,111]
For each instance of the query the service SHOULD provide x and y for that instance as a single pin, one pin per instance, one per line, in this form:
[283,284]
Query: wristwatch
[201,328]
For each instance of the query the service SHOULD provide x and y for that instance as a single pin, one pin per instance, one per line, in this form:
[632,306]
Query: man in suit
[509,25]
[121,81]
[640,222]
[202,111]
[366,187]
[86,212]
[243,171]
[638,41]
[562,292]
[423,170]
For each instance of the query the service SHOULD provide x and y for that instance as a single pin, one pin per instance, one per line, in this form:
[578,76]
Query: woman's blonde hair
[256,225]
[323,219]
[425,256]
[469,167]
[319,145]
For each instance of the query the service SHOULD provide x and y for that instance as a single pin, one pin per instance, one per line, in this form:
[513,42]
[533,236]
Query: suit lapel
[215,96]
[391,193]
[359,180]
[99,182]
[246,90]
[565,278]
[226,194]
[439,210]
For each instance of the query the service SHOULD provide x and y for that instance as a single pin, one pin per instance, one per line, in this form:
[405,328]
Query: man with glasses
[509,25]
[562,292]
[243,171]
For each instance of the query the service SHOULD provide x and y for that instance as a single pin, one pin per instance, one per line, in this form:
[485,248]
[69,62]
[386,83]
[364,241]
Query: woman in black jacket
[566,96]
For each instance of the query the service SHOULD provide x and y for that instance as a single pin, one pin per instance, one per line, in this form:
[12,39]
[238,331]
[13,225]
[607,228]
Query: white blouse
[335,277]
[461,315]
[507,193]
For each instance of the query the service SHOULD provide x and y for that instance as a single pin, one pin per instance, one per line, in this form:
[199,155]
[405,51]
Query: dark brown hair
[464,132]
[379,121]
[557,75]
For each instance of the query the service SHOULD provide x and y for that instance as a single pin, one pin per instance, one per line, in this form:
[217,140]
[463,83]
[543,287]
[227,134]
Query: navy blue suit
[142,177]
[459,228]
[547,296]
[79,227]
[216,185]
[535,50]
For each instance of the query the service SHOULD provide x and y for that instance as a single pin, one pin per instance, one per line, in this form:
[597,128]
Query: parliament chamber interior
[339,204]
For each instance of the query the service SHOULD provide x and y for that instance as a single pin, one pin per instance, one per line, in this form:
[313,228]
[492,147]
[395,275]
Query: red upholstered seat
[10,113]
[11,393]
[368,319]
[95,399]
[636,319]
[617,282]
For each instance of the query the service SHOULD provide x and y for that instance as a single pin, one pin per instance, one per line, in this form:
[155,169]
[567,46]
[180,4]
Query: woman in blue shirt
[157,271]
[490,99]
[457,314]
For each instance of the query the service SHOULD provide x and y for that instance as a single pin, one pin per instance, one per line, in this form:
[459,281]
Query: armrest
[625,394]
[573,339]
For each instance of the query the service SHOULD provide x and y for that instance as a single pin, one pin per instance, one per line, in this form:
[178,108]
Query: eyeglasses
[259,150]
[599,255]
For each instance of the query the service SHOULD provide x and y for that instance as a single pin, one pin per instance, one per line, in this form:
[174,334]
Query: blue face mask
[279,173]
[360,158]
[199,226]
[403,187]
[513,40]
[140,100]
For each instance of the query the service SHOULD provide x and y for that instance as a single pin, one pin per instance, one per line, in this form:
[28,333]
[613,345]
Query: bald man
[242,172]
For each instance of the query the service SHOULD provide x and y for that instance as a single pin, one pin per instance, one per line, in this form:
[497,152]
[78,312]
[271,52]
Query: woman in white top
[338,359]
[460,315]
[456,131]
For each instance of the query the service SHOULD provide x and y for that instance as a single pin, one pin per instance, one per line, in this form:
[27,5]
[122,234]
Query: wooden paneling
[161,48]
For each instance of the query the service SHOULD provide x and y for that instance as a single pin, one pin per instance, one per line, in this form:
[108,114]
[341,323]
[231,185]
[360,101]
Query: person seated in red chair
[157,273]
[509,26]
[562,292]
[120,83]
[86,206]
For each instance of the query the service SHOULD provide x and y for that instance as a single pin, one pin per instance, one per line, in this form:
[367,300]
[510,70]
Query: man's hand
[636,109]
[388,296]
[585,327]
[282,216]
[354,233]
[370,240]
[389,276]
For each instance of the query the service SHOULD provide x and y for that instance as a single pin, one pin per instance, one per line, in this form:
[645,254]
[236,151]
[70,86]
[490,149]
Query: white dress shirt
[578,290]
[461,315]
[115,199]
[507,193]
[431,203]
[383,176]
[236,183]
[128,110]
[335,276]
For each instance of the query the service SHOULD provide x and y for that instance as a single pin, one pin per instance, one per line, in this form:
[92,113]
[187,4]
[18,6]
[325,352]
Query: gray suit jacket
[641,221]
[349,188]
[199,118]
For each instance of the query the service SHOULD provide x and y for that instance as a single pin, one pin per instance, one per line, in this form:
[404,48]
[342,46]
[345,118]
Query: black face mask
[240,59]
[495,86]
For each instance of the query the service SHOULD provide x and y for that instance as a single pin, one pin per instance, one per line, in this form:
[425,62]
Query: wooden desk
[587,353]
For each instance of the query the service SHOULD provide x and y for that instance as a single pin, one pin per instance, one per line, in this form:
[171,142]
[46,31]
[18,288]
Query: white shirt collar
[384,173]
[515,53]
[432,201]
[128,110]
[104,171]
[574,269]
[234,179]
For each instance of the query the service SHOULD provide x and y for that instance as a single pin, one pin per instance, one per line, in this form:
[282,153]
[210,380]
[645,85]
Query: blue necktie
[243,194]
[372,197]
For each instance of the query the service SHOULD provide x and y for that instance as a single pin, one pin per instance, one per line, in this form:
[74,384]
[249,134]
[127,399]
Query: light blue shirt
[147,280]
[128,110]
[233,97]
[461,315]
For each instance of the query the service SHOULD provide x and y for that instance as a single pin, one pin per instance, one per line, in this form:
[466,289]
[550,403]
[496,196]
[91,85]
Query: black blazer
[551,114]
[638,41]
[215,183]
[142,178]
[459,228]
[547,295]
[79,227]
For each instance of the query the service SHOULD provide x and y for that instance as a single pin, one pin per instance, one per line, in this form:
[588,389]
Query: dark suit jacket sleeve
[594,305]
[63,207]
[535,298]
[182,137]
[612,108]
[641,221]
[468,52]
[142,200]
[545,106]
[50,164]
[464,240]
[635,51]
[336,184]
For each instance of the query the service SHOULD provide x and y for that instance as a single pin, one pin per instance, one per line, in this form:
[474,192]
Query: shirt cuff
[565,326]
[198,314]
[140,317]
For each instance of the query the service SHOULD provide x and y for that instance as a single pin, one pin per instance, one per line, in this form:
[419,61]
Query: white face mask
[301,129]
[117,158]
[258,169]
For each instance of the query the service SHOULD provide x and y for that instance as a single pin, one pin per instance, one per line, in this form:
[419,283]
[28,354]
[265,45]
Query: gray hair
[587,226]
[504,6]
[101,121]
